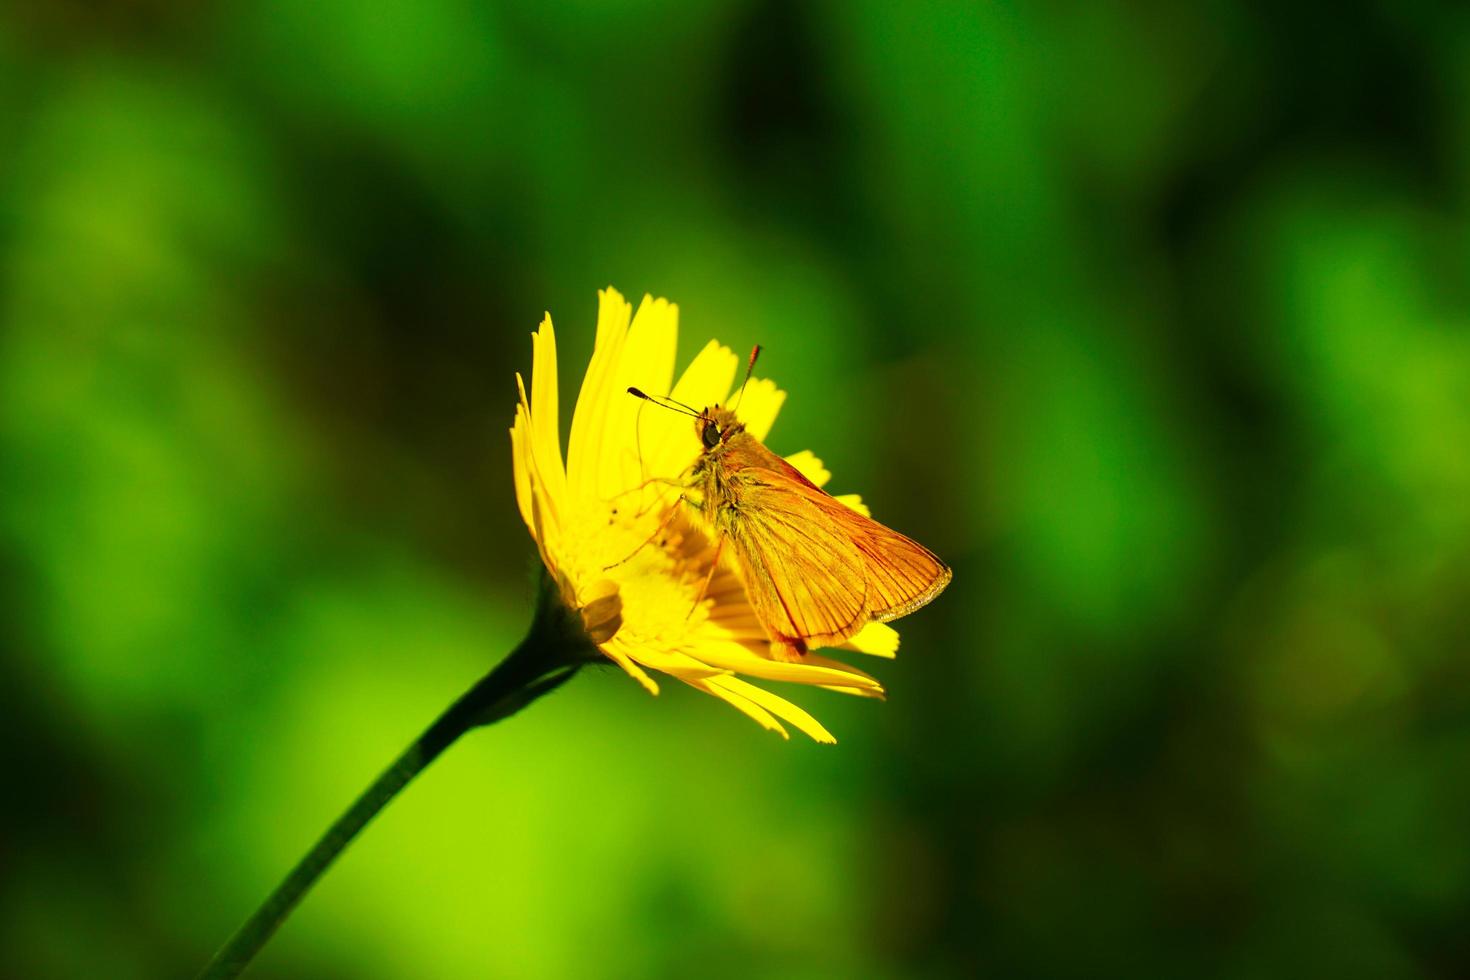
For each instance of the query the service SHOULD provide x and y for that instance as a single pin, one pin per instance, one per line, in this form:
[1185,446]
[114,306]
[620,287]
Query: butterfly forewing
[903,575]
[805,578]
[816,570]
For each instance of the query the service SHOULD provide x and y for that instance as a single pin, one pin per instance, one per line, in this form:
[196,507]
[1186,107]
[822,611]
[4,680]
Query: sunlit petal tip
[708,378]
[544,335]
[654,304]
[744,705]
[613,313]
[520,470]
[777,706]
[630,668]
[839,674]
[875,639]
[809,466]
[861,692]
[759,405]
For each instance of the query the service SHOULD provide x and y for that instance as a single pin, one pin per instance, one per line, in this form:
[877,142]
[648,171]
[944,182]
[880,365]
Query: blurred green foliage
[1150,318]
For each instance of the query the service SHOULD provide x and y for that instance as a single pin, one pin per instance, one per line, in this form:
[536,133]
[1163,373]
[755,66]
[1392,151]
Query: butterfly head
[715,426]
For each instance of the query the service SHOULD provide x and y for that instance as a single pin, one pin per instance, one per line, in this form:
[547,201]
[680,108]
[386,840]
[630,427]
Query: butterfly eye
[710,436]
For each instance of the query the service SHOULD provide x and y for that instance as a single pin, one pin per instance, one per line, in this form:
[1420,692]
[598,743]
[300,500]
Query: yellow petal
[707,379]
[759,406]
[810,467]
[854,502]
[877,639]
[547,516]
[647,363]
[761,715]
[669,661]
[521,466]
[545,418]
[878,695]
[777,706]
[668,440]
[614,652]
[868,686]
[736,657]
[584,449]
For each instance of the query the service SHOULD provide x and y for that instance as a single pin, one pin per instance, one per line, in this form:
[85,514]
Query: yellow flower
[596,520]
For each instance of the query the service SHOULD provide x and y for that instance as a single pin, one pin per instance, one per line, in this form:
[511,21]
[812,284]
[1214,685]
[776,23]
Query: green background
[1150,318]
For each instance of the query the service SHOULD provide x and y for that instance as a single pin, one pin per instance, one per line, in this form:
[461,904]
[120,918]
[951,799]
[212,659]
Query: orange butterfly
[816,570]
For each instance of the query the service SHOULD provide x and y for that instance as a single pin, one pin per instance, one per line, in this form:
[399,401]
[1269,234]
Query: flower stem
[537,666]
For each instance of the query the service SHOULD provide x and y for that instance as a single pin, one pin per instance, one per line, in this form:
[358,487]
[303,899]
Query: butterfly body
[816,570]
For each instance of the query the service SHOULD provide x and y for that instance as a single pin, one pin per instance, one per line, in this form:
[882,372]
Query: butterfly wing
[804,578]
[816,570]
[903,575]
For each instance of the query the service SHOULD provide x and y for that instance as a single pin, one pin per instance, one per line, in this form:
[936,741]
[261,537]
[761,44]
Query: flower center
[652,558]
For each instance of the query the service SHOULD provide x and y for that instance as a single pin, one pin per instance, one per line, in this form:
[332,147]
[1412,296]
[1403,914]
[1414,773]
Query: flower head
[624,551]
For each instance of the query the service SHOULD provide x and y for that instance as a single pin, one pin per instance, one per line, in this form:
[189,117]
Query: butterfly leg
[667,481]
[662,480]
[713,565]
[788,649]
[657,532]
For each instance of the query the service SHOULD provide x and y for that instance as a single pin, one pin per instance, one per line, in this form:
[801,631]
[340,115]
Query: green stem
[530,671]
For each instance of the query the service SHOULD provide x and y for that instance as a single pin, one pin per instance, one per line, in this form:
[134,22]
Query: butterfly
[816,571]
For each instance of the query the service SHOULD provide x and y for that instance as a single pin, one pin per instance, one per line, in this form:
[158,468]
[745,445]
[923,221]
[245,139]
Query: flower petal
[584,449]
[877,639]
[668,441]
[860,692]
[669,661]
[707,379]
[761,715]
[545,418]
[614,652]
[777,706]
[521,466]
[810,467]
[759,406]
[546,518]
[647,363]
[739,658]
[870,688]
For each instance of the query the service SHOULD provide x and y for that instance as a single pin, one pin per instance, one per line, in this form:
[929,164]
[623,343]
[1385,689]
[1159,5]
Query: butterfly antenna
[676,406]
[749,367]
[687,408]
